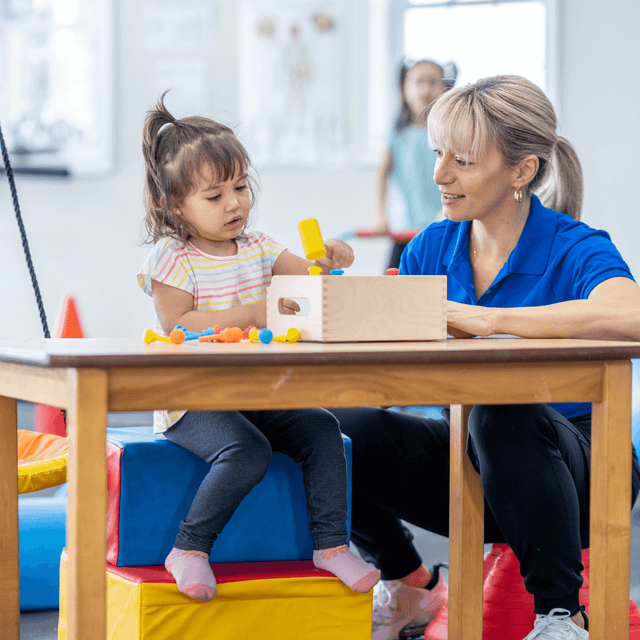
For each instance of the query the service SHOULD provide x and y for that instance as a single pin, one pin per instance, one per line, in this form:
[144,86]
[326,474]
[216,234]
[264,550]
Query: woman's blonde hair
[515,115]
[178,155]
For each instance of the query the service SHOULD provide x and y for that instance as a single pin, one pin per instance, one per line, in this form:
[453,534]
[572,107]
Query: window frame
[393,40]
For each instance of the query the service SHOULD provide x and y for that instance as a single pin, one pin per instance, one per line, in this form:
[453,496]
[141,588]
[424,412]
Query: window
[481,37]
[56,73]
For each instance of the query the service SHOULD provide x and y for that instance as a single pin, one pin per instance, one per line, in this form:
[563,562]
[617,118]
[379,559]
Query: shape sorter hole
[303,303]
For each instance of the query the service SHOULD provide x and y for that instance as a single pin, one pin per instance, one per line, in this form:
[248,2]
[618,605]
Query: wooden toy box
[361,308]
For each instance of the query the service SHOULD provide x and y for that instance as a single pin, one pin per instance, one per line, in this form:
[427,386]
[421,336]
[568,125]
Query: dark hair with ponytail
[178,155]
[449,74]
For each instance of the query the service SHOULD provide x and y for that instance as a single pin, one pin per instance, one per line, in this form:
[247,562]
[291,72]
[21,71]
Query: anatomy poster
[291,82]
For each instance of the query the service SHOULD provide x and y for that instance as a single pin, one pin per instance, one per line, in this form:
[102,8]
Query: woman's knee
[495,424]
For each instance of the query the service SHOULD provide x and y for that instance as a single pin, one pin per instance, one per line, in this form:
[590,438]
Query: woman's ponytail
[562,187]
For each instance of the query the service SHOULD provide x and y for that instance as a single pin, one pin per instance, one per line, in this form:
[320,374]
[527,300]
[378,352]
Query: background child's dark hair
[177,156]
[449,75]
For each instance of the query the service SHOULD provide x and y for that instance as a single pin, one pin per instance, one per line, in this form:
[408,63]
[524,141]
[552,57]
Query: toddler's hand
[339,254]
[289,307]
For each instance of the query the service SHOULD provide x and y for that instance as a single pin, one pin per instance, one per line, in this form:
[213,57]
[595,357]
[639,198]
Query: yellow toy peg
[253,334]
[312,244]
[314,271]
[151,336]
[292,335]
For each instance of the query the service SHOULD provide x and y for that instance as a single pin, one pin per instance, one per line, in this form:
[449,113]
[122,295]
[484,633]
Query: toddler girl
[408,160]
[206,269]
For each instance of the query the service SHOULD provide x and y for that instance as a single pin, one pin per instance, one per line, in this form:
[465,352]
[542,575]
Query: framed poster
[292,109]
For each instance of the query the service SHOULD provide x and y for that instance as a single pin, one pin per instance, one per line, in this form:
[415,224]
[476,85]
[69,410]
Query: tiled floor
[42,625]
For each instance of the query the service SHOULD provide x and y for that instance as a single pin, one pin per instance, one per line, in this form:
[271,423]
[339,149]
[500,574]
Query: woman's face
[475,188]
[422,85]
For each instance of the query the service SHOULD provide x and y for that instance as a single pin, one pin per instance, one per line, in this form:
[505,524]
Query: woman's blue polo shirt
[556,259]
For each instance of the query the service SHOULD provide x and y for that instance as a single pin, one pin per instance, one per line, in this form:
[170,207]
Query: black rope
[23,234]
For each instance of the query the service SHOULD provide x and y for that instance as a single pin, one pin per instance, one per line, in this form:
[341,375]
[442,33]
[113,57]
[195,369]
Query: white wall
[84,233]
[601,106]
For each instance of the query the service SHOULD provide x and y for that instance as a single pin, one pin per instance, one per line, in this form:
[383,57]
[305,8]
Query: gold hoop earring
[517,196]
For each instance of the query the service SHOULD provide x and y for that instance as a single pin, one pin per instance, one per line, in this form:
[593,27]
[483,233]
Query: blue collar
[532,252]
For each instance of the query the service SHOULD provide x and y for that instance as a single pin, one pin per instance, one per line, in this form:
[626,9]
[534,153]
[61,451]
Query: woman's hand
[466,320]
[339,254]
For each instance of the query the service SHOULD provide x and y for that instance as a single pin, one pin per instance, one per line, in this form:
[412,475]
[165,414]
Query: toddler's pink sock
[192,572]
[353,571]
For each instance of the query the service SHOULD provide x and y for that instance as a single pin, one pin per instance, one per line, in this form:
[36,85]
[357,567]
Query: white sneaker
[398,607]
[557,625]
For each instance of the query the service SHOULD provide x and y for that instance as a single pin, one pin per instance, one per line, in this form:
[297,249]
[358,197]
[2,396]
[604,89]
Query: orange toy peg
[151,336]
[177,336]
[232,334]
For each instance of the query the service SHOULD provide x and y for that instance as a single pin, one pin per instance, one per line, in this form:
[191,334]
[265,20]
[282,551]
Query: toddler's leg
[312,438]
[193,574]
[239,456]
[354,572]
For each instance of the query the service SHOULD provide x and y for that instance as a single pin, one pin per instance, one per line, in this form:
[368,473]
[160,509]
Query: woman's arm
[612,312]
[175,306]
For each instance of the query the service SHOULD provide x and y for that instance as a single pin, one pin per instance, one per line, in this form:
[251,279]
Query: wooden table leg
[611,506]
[466,535]
[9,563]
[87,516]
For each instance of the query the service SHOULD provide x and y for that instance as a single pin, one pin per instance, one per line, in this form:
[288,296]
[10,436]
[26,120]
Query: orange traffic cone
[68,325]
[508,607]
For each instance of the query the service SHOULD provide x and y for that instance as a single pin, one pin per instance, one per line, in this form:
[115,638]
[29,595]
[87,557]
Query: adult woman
[514,267]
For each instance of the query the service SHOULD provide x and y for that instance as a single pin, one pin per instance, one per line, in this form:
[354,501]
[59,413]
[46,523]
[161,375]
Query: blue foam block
[42,538]
[156,481]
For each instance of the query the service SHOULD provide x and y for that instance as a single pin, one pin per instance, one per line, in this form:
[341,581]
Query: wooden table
[92,377]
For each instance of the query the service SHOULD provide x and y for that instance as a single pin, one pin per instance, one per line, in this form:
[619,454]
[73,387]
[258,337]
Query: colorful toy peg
[392,272]
[311,237]
[189,335]
[232,334]
[314,271]
[247,330]
[336,272]
[178,336]
[265,336]
[253,334]
[292,335]
[151,336]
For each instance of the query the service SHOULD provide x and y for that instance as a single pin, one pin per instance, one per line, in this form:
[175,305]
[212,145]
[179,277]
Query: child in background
[206,269]
[408,159]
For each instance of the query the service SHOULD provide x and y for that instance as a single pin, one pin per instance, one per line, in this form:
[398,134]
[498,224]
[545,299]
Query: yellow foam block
[268,600]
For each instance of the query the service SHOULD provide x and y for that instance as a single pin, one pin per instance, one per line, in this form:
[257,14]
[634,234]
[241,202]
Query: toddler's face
[217,211]
[422,85]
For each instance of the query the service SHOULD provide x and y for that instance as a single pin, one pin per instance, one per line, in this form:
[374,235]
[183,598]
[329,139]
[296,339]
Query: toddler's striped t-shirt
[215,282]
